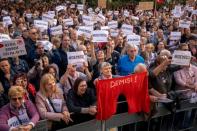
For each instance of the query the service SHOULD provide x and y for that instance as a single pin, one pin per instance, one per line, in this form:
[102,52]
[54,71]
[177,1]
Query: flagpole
[155,8]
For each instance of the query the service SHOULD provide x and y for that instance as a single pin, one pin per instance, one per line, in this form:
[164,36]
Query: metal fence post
[103,125]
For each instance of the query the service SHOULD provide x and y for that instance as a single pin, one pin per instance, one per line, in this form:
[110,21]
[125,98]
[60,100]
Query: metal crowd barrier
[122,119]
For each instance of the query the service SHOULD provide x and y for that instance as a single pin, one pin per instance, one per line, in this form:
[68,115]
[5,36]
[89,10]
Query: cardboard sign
[181,57]
[68,22]
[4,37]
[77,57]
[102,3]
[87,20]
[113,24]
[175,35]
[145,5]
[7,21]
[57,30]
[100,36]
[127,29]
[133,39]
[184,24]
[41,24]
[85,30]
[12,48]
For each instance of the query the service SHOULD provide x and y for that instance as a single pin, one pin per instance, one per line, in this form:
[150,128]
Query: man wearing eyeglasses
[127,63]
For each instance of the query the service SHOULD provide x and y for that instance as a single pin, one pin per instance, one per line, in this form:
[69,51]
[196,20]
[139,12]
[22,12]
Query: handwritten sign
[184,24]
[41,24]
[102,3]
[145,5]
[100,36]
[112,24]
[181,58]
[85,30]
[12,48]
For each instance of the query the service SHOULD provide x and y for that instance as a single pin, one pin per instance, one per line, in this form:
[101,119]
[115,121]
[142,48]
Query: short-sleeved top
[126,66]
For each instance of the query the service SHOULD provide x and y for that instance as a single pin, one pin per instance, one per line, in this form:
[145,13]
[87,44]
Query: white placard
[77,57]
[114,33]
[57,103]
[60,7]
[175,35]
[41,24]
[181,57]
[133,39]
[47,17]
[4,37]
[4,12]
[72,6]
[47,45]
[116,13]
[12,48]
[100,36]
[80,7]
[127,29]
[51,13]
[100,17]
[194,12]
[126,13]
[104,28]
[7,21]
[29,15]
[113,24]
[90,10]
[68,22]
[57,30]
[110,12]
[184,24]
[87,19]
[85,30]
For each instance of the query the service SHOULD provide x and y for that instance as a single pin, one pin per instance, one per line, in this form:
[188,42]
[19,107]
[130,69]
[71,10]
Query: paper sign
[100,36]
[109,12]
[127,29]
[114,33]
[184,24]
[4,37]
[85,30]
[41,24]
[68,22]
[72,6]
[90,10]
[102,3]
[133,39]
[104,28]
[12,48]
[87,20]
[28,15]
[116,13]
[126,13]
[175,35]
[77,57]
[194,12]
[181,57]
[177,12]
[113,24]
[56,30]
[47,17]
[51,13]
[47,45]
[60,7]
[7,21]
[80,7]
[145,5]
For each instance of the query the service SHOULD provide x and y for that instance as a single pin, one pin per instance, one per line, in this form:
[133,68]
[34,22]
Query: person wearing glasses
[81,100]
[127,63]
[51,104]
[19,114]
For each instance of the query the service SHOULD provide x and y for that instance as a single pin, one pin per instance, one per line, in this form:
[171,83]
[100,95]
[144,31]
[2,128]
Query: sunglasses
[17,98]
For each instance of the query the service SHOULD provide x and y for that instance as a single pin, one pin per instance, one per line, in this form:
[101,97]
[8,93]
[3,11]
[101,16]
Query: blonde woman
[18,114]
[50,102]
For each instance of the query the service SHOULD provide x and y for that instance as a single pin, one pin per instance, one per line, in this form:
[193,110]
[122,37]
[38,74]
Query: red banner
[133,87]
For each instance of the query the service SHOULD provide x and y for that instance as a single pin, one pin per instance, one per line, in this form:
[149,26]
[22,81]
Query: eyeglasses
[33,33]
[132,50]
[17,98]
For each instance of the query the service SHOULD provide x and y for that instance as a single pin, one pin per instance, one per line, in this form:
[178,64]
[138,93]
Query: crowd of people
[43,84]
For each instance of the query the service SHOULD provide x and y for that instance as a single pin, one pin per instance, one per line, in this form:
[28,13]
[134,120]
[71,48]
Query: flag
[160,1]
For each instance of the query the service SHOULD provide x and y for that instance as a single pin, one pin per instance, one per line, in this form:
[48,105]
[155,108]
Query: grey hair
[104,64]
[138,65]
[129,46]
[165,52]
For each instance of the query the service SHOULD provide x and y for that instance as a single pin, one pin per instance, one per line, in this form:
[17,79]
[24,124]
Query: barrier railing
[121,119]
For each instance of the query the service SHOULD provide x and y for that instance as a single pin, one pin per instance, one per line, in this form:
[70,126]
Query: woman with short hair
[19,114]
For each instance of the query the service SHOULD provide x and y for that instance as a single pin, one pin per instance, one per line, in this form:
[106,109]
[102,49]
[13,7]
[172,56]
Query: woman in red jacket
[20,79]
